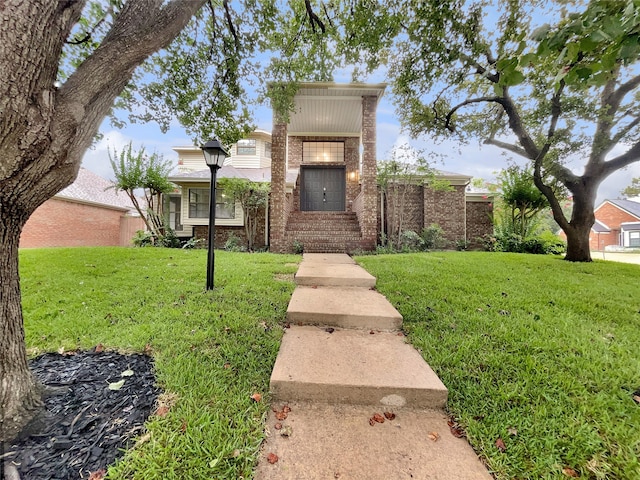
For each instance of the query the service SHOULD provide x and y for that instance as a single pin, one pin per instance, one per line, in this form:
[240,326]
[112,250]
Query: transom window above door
[330,152]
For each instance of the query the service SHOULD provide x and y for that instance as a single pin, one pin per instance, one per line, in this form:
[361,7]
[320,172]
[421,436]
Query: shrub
[234,244]
[143,239]
[433,237]
[410,241]
[298,247]
[169,239]
[193,242]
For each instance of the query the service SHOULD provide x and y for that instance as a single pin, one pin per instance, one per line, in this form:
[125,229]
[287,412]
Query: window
[634,239]
[322,152]
[246,147]
[199,204]
[174,213]
[267,149]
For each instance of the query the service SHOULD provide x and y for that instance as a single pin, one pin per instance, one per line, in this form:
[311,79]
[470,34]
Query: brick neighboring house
[86,213]
[322,170]
[617,225]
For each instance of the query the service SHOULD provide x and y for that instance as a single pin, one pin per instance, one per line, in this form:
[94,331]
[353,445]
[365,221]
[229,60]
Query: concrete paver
[337,441]
[336,274]
[353,367]
[345,307]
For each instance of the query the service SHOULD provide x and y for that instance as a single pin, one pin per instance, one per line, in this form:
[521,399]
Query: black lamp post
[214,155]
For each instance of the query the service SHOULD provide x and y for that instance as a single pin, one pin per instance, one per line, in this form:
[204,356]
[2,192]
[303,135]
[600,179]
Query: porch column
[368,222]
[278,201]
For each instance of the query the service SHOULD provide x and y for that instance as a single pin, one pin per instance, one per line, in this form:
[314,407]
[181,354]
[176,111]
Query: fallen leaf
[61,350]
[236,453]
[116,385]
[372,422]
[272,458]
[277,426]
[500,445]
[389,415]
[636,398]
[147,349]
[127,373]
[281,416]
[434,436]
[329,330]
[512,431]
[286,431]
[372,332]
[287,325]
[570,472]
[286,408]
[378,418]
[183,426]
[99,348]
[213,462]
[162,411]
[456,430]
[256,397]
[227,366]
[98,474]
[143,439]
[504,312]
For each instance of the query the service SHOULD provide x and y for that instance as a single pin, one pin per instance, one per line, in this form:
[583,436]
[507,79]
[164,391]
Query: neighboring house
[86,213]
[617,225]
[322,170]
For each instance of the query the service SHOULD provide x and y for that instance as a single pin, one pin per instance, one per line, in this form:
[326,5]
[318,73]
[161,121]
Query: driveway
[617,257]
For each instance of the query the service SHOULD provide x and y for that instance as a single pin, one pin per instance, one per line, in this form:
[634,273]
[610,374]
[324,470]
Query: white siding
[190,222]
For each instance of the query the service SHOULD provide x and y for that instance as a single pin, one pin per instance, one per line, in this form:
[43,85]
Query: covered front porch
[323,171]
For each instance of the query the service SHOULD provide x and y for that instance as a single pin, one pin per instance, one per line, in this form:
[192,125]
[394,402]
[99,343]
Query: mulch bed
[87,424]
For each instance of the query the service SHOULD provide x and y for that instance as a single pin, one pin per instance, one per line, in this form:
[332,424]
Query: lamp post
[214,155]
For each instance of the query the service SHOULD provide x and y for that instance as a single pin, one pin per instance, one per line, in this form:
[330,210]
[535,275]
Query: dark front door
[322,189]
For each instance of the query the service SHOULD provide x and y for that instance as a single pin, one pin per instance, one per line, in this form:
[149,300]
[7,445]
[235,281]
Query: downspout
[266,223]
[382,219]
[465,213]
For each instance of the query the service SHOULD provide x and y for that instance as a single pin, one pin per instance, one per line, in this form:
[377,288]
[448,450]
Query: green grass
[212,350]
[539,352]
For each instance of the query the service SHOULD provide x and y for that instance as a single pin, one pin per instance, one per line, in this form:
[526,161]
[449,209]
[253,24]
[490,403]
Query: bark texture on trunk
[44,132]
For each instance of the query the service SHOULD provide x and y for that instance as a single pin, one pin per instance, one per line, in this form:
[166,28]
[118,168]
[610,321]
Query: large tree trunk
[44,132]
[582,219]
[19,395]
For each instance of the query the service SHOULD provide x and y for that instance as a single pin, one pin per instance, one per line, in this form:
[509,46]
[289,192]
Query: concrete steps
[353,367]
[333,275]
[344,307]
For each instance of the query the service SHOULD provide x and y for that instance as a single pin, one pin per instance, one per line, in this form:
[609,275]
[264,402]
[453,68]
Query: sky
[480,161]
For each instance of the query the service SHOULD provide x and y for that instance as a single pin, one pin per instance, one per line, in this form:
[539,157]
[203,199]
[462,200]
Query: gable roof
[600,227]
[632,208]
[92,189]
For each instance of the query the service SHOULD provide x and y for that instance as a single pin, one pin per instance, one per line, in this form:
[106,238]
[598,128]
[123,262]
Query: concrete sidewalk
[351,399]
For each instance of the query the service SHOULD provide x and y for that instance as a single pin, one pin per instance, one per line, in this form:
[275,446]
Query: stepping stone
[328,258]
[353,367]
[344,307]
[336,441]
[338,275]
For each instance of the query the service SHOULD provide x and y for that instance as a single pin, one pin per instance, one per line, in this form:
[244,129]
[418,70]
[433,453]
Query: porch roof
[331,109]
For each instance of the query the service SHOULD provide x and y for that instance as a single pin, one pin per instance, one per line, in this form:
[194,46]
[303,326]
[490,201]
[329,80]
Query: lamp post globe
[214,155]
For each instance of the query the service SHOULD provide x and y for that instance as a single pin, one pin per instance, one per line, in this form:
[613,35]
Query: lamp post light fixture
[214,155]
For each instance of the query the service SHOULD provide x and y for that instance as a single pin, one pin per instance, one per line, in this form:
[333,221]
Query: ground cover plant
[540,355]
[212,350]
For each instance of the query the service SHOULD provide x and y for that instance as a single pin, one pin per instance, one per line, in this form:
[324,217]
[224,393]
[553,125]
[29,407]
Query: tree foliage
[633,189]
[135,171]
[253,197]
[550,93]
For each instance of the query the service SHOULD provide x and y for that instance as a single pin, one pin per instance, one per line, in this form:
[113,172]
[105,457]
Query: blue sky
[482,161]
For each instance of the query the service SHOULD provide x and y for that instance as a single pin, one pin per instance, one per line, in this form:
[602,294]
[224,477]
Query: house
[617,225]
[322,168]
[89,212]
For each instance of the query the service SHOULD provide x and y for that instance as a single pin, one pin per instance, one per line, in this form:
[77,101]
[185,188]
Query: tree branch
[232,29]
[621,161]
[615,98]
[447,123]
[313,18]
[507,146]
[624,130]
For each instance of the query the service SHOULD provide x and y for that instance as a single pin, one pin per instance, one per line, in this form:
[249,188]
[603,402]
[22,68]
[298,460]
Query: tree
[63,66]
[552,94]
[633,189]
[149,173]
[253,197]
[522,201]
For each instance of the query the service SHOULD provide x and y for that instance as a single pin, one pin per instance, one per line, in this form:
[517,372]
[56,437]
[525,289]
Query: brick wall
[278,201]
[479,221]
[368,219]
[447,209]
[62,223]
[224,232]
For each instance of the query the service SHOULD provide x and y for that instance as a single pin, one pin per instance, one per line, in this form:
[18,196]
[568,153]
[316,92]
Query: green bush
[234,244]
[543,243]
[143,239]
[410,241]
[298,247]
[433,237]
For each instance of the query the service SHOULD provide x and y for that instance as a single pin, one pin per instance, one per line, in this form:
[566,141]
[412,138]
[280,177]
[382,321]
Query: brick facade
[458,217]
[612,216]
[368,217]
[63,223]
[278,204]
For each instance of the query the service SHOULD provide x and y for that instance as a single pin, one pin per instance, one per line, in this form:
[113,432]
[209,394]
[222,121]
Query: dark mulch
[86,425]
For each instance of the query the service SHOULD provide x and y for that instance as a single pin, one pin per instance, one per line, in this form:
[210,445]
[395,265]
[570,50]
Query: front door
[322,189]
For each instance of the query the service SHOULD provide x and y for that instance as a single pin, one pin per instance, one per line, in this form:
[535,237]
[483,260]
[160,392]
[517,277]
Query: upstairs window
[246,147]
[329,152]
[634,239]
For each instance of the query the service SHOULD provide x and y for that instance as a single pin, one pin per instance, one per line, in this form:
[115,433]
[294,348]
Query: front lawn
[539,354]
[212,350]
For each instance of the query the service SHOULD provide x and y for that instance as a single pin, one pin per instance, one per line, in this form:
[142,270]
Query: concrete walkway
[351,399]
